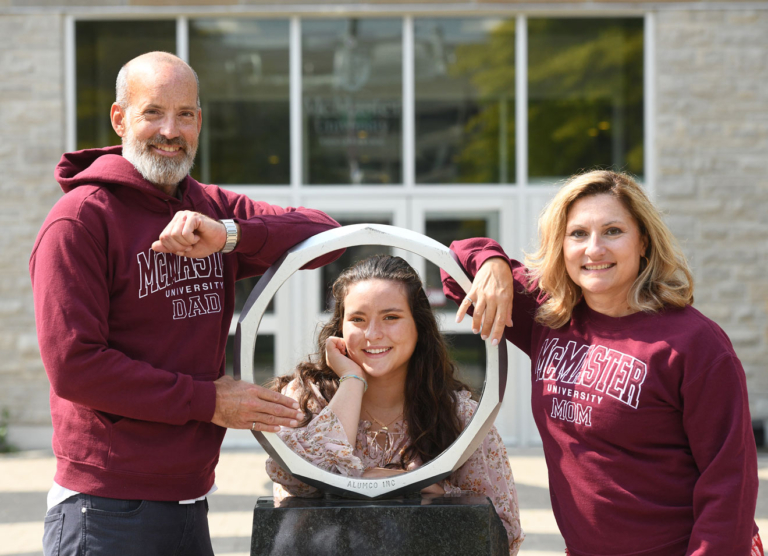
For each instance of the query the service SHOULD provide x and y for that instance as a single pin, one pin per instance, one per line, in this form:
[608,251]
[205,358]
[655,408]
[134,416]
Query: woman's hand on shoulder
[337,359]
[491,295]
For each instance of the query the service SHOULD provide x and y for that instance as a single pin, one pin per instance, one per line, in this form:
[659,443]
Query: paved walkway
[25,479]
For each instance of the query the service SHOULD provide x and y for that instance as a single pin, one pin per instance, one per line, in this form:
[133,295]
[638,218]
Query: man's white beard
[156,168]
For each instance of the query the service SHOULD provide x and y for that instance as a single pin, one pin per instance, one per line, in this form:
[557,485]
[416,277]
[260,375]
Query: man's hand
[491,295]
[242,405]
[191,234]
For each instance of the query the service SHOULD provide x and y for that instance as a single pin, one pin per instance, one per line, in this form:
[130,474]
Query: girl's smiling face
[379,329]
[602,249]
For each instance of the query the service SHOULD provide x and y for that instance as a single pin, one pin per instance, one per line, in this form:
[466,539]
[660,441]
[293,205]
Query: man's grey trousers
[95,526]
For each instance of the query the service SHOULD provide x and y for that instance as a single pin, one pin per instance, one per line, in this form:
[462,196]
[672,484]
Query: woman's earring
[646,260]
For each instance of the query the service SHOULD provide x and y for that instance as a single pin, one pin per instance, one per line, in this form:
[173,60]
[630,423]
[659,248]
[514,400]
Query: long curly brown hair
[431,385]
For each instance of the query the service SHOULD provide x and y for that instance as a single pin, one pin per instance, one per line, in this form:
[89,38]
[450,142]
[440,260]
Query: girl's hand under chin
[338,360]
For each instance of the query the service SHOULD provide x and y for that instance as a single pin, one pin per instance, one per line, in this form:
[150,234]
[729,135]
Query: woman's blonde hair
[664,278]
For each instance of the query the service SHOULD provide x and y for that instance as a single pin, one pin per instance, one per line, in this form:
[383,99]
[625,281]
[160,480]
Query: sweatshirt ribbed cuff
[476,261]
[203,403]
[253,235]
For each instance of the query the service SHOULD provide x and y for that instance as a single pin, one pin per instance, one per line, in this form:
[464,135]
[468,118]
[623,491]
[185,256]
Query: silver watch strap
[231,242]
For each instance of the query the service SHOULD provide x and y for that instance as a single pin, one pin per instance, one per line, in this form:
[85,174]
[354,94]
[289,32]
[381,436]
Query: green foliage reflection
[102,47]
[585,97]
[585,83]
[465,103]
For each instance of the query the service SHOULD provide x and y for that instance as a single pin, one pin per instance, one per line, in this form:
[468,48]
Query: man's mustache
[175,142]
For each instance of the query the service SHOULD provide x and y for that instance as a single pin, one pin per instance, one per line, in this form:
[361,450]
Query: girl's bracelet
[345,377]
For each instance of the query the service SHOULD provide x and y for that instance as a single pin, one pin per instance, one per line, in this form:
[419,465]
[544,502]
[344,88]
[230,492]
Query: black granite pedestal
[423,526]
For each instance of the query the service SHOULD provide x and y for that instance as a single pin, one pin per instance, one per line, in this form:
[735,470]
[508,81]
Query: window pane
[468,352]
[465,100]
[243,68]
[243,289]
[331,271]
[446,230]
[263,358]
[352,89]
[102,47]
[585,87]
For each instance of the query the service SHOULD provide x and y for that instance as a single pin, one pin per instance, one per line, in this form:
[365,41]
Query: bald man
[133,275]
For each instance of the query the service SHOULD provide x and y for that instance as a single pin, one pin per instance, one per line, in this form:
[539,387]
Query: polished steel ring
[245,341]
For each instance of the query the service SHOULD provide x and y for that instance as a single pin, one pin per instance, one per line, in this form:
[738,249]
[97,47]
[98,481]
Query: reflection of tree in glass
[585,82]
[352,105]
[585,87]
[102,47]
[244,87]
[352,255]
[488,154]
[248,142]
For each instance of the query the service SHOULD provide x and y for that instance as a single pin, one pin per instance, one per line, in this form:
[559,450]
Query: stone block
[27,346]
[741,338]
[10,307]
[181,2]
[744,315]
[716,311]
[749,274]
[680,186]
[427,526]
[713,232]
[731,292]
[47,155]
[69,3]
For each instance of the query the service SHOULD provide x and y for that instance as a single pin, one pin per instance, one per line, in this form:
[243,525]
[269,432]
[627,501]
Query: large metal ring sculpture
[245,342]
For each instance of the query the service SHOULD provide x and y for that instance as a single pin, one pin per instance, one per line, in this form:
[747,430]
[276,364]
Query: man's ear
[199,120]
[117,116]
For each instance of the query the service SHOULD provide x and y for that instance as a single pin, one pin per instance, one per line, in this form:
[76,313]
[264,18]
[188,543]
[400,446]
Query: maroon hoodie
[644,421]
[132,340]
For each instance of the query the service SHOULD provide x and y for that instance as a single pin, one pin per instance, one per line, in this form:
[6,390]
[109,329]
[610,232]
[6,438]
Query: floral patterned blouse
[324,443]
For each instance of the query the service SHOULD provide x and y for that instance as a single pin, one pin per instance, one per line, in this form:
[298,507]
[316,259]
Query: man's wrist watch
[231,242]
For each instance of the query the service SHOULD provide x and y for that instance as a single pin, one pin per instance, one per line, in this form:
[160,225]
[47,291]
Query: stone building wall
[712,169]
[31,141]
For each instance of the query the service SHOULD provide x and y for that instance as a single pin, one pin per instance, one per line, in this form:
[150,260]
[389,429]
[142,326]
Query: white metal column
[182,38]
[649,103]
[70,84]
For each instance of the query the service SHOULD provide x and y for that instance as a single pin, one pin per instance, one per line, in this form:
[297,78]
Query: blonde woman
[640,400]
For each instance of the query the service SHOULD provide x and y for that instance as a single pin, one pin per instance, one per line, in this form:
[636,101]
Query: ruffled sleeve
[487,472]
[322,442]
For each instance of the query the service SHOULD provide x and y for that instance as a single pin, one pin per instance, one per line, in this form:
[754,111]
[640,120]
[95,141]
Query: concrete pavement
[26,477]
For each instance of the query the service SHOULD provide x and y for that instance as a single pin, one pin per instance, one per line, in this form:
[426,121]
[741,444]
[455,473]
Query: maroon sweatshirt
[645,425]
[132,340]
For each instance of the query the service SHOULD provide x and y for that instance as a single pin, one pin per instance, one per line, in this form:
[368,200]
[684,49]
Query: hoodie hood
[107,166]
